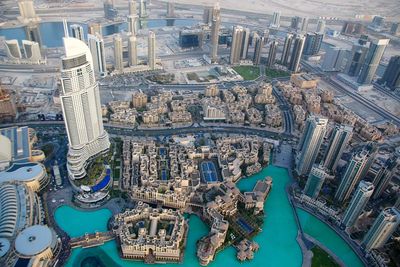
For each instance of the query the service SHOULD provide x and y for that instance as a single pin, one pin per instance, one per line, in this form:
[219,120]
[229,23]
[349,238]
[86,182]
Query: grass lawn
[322,258]
[248,72]
[271,73]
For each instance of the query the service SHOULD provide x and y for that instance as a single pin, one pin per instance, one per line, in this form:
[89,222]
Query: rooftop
[33,240]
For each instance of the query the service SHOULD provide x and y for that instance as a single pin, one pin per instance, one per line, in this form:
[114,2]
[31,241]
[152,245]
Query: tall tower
[391,77]
[276,20]
[259,44]
[143,9]
[151,50]
[170,9]
[358,203]
[382,229]
[215,25]
[372,60]
[96,46]
[304,24]
[13,50]
[294,23]
[132,50]
[310,143]
[286,49]
[313,43]
[296,53]
[315,181]
[245,43]
[272,54]
[80,102]
[358,53]
[321,26]
[340,137]
[383,177]
[77,32]
[32,51]
[354,172]
[132,8]
[236,46]
[118,56]
[133,25]
[27,11]
[110,12]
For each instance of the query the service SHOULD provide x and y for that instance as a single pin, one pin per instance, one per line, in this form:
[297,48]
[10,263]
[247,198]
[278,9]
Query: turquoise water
[278,246]
[324,234]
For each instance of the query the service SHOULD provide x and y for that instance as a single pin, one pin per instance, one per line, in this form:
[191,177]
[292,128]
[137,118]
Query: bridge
[91,240]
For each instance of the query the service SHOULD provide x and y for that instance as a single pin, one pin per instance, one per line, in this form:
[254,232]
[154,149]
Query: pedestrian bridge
[91,240]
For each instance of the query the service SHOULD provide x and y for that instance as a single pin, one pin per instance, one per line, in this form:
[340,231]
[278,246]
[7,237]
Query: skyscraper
[80,102]
[313,43]
[94,28]
[96,46]
[8,109]
[33,33]
[132,50]
[110,12]
[133,24]
[395,28]
[354,172]
[391,77]
[286,49]
[304,24]
[310,143]
[358,53]
[372,60]
[118,54]
[132,8]
[258,46]
[208,15]
[215,25]
[12,49]
[170,9]
[321,26]
[276,20]
[341,135]
[245,44]
[272,54]
[238,34]
[142,9]
[383,177]
[358,203]
[151,50]
[382,229]
[315,181]
[334,59]
[294,23]
[32,51]
[77,32]
[296,53]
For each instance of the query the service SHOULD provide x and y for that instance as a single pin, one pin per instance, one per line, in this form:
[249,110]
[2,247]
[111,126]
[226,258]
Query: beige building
[304,81]
[8,109]
[139,100]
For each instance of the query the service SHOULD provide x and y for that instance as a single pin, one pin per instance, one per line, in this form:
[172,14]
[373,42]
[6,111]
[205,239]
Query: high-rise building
[383,176]
[391,76]
[295,22]
[170,9]
[207,15]
[372,60]
[133,24]
[296,53]
[8,109]
[32,51]
[310,143]
[395,28]
[315,181]
[80,102]
[132,51]
[258,46]
[27,11]
[110,12]
[96,46]
[32,32]
[272,54]
[239,46]
[77,32]
[377,23]
[382,229]
[357,57]
[334,59]
[94,28]
[286,49]
[118,54]
[215,25]
[143,9]
[341,136]
[313,43]
[321,26]
[358,202]
[151,50]
[352,28]
[304,24]
[191,38]
[355,171]
[276,20]
[132,8]
[13,50]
